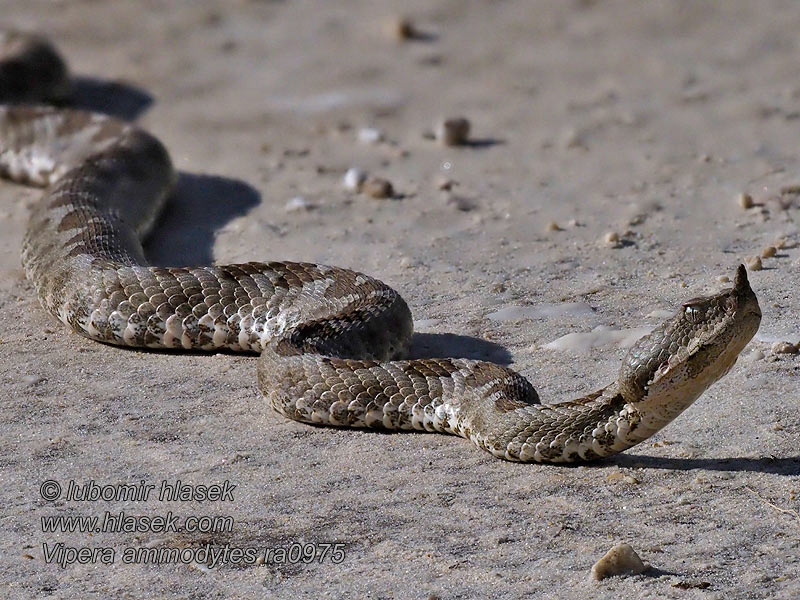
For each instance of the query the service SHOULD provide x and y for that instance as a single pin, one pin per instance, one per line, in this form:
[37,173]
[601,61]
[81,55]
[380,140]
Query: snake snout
[746,297]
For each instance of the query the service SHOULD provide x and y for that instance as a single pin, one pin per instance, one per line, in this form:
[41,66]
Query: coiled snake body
[331,340]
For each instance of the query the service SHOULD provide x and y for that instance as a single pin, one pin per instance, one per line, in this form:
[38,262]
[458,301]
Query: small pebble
[620,560]
[745,200]
[353,179]
[445,183]
[460,203]
[637,220]
[618,476]
[782,202]
[370,135]
[378,187]
[784,348]
[32,380]
[572,138]
[754,356]
[452,132]
[573,223]
[399,28]
[724,279]
[611,239]
[297,204]
[553,226]
[769,252]
[754,263]
[692,584]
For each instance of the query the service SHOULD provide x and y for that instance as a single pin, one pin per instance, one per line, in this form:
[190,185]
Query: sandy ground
[644,120]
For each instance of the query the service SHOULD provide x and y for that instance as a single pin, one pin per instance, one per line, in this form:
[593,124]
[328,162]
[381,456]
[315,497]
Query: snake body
[331,341]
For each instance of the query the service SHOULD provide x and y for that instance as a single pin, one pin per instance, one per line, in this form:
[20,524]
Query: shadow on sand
[775,466]
[200,206]
[116,99]
[450,345]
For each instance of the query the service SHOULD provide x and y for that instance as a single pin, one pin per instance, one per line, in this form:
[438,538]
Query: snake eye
[693,310]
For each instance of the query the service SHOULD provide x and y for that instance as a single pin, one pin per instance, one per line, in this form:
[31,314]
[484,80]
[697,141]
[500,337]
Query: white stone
[370,135]
[297,204]
[353,179]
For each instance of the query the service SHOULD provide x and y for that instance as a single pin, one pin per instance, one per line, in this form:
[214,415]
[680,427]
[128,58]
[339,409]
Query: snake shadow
[199,207]
[484,142]
[450,345]
[775,466]
[114,98]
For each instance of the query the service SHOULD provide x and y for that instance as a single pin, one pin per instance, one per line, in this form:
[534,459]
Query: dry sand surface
[646,120]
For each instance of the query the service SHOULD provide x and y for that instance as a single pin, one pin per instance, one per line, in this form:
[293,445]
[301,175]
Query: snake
[333,343]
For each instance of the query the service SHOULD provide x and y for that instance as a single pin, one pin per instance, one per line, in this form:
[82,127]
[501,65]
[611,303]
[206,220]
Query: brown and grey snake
[331,340]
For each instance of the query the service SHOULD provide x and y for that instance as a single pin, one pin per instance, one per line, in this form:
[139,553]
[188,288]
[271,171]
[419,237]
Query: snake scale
[332,341]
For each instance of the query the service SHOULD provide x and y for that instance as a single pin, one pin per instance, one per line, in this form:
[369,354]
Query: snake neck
[598,425]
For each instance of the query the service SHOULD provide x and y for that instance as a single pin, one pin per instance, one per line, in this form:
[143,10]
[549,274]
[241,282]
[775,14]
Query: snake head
[695,347]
